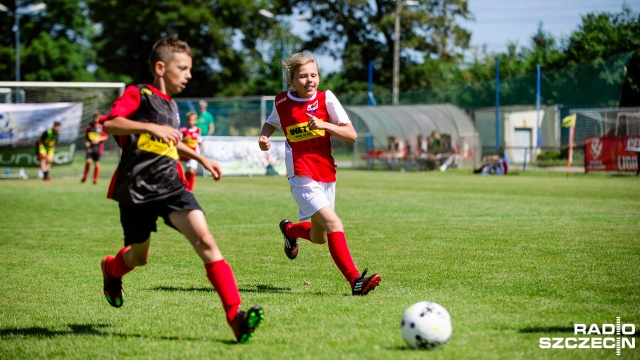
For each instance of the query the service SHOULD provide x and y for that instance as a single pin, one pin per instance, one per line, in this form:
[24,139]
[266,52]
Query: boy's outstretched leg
[360,284]
[243,323]
[246,322]
[113,269]
[363,284]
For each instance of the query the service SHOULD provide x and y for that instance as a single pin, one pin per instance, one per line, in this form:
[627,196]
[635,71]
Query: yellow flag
[569,121]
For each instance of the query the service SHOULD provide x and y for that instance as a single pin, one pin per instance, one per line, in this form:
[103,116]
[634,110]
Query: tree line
[237,51]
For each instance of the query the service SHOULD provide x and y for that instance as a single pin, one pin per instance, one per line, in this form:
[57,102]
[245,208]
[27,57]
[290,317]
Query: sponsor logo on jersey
[150,143]
[93,136]
[145,91]
[311,108]
[191,142]
[301,132]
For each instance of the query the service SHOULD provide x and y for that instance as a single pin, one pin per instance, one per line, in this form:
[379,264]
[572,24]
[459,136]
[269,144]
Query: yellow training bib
[150,143]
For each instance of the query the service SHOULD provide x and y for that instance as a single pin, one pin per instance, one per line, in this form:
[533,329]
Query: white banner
[240,155]
[22,124]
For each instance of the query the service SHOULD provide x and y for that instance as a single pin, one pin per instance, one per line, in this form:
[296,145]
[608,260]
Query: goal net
[90,97]
[606,122]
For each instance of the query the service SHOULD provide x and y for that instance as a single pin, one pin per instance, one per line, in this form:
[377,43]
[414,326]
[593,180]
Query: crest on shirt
[311,108]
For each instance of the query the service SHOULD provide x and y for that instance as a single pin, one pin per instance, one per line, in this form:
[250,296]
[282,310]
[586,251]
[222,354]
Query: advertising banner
[239,155]
[22,124]
[610,153]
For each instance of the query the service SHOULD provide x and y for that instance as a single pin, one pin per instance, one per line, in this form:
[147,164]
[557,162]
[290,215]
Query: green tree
[359,31]
[222,35]
[603,35]
[55,44]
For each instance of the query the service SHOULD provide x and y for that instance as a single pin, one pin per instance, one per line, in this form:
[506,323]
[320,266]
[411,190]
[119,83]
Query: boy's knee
[319,239]
[139,260]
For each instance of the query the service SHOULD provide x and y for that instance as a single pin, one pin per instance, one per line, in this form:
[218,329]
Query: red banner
[610,153]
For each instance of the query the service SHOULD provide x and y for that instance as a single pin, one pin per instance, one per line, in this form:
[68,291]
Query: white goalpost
[93,96]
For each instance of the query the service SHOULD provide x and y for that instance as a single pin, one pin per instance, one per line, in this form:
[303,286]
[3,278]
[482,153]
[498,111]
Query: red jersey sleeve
[125,105]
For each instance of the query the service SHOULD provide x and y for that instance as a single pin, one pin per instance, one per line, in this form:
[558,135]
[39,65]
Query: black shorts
[93,154]
[138,221]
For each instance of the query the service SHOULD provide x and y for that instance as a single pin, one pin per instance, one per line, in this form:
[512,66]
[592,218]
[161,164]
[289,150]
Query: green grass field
[512,258]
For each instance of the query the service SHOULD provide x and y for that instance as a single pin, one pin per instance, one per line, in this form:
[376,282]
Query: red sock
[341,255]
[96,171]
[299,230]
[191,181]
[87,166]
[221,277]
[117,267]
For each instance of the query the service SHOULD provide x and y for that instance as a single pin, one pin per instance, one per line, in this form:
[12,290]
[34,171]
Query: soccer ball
[426,325]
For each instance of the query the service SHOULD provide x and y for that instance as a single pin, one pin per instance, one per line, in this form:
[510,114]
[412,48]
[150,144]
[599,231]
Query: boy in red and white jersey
[309,118]
[192,137]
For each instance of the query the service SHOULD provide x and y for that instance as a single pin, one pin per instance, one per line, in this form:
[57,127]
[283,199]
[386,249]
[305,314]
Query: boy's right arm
[267,131]
[122,126]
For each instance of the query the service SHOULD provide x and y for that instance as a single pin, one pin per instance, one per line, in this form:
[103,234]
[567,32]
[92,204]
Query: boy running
[309,118]
[94,138]
[192,137]
[46,149]
[148,183]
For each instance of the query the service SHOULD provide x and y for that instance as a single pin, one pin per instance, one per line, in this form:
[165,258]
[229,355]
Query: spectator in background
[435,146]
[46,148]
[501,166]
[390,155]
[94,138]
[206,122]
[410,155]
[494,164]
[422,148]
[396,151]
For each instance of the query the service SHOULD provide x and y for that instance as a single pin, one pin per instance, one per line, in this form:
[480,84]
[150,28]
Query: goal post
[607,138]
[30,107]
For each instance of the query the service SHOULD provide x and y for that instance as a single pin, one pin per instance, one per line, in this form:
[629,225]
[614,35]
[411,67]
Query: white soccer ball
[426,325]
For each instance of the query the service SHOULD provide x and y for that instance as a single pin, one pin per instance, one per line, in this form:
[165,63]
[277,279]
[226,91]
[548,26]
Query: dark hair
[57,123]
[164,49]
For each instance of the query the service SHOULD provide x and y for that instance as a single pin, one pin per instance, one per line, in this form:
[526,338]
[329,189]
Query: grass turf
[512,258]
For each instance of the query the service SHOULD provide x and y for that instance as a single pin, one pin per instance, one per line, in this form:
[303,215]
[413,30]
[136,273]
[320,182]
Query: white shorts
[191,163]
[311,196]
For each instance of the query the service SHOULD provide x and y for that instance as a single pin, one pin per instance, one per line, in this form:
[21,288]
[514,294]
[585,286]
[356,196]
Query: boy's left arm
[212,166]
[344,132]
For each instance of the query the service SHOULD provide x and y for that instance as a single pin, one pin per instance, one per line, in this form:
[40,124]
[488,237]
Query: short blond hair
[293,63]
[191,113]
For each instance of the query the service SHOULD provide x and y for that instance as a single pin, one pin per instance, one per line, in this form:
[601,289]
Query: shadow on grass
[254,288]
[92,330]
[265,289]
[404,348]
[187,289]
